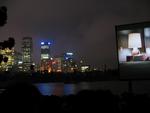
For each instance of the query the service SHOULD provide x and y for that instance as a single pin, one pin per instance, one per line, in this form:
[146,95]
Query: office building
[57,64]
[27,53]
[45,57]
[69,64]
[18,63]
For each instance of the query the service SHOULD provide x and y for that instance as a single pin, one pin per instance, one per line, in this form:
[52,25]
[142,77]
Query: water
[61,89]
[116,87]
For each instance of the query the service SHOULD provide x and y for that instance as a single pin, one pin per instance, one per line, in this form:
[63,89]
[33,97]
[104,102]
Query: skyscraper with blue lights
[69,64]
[45,56]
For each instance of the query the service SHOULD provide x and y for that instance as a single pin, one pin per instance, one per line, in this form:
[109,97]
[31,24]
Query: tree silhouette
[1,58]
[32,67]
[6,44]
[3,15]
[5,59]
[10,43]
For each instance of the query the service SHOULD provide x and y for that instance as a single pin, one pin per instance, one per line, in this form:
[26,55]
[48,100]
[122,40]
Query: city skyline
[88,31]
[69,55]
[12,60]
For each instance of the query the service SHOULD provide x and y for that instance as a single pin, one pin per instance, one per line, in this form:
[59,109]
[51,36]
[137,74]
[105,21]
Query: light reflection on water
[45,88]
[116,87]
[60,89]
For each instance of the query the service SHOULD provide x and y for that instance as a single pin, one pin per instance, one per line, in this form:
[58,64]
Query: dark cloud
[82,26]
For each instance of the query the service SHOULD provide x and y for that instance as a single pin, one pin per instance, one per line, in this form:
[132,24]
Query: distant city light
[20,62]
[49,43]
[59,70]
[66,58]
[84,68]
[53,62]
[42,43]
[44,47]
[69,53]
[45,57]
[49,70]
[81,61]
[95,69]
[20,67]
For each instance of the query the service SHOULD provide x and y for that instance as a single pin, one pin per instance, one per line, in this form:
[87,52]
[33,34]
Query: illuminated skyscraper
[69,64]
[57,64]
[27,53]
[45,56]
[18,61]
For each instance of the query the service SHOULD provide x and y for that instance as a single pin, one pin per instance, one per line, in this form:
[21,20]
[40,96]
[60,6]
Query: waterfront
[70,84]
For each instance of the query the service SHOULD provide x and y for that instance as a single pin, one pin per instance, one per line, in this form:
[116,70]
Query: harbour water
[61,89]
[116,87]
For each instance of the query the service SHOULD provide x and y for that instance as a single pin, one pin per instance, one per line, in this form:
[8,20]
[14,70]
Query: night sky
[85,27]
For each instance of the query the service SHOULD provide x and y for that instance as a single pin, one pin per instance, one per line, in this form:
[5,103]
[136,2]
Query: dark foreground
[23,97]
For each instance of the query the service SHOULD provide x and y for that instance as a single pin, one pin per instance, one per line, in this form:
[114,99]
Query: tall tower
[45,56]
[27,53]
[69,64]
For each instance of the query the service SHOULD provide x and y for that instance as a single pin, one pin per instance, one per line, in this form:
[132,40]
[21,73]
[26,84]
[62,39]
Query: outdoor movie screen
[133,46]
